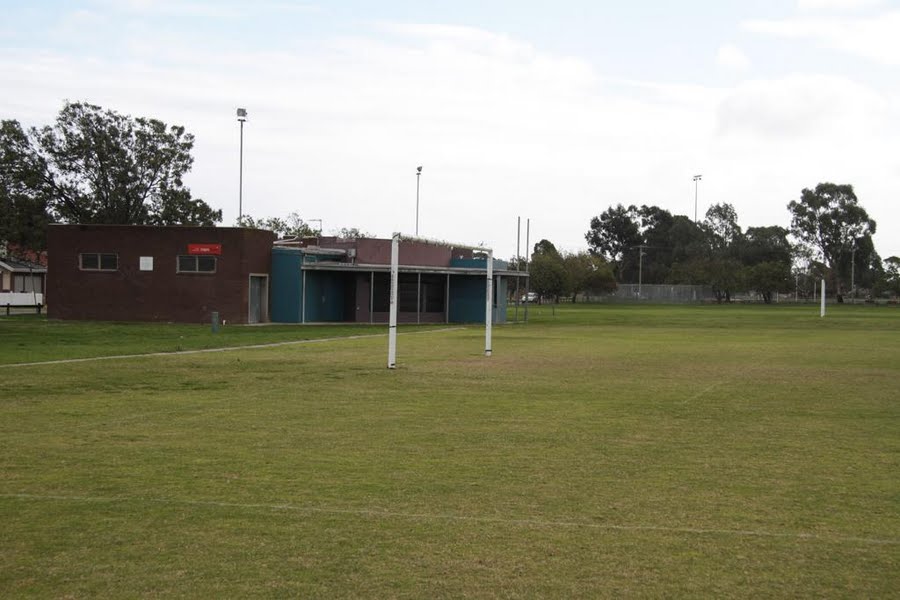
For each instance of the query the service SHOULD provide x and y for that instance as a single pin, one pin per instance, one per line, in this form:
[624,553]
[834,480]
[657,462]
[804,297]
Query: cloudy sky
[547,110]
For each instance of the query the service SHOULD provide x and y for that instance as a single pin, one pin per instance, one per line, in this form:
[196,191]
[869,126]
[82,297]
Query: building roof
[21,266]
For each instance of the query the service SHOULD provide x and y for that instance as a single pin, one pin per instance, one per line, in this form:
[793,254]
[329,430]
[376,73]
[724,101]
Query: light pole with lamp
[696,179]
[241,117]
[418,176]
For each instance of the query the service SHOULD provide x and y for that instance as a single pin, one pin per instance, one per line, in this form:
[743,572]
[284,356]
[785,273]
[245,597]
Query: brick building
[136,273]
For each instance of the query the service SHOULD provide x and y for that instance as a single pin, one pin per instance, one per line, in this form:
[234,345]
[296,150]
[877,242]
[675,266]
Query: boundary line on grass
[63,361]
[528,522]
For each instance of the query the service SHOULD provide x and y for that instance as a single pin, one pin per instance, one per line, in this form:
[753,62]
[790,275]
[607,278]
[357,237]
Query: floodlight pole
[488,310]
[853,270]
[242,116]
[696,179]
[392,323]
[418,177]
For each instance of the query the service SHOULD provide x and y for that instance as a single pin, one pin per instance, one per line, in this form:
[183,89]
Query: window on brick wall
[196,264]
[98,261]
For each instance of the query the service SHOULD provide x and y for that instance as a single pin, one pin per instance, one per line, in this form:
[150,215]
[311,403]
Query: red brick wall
[162,294]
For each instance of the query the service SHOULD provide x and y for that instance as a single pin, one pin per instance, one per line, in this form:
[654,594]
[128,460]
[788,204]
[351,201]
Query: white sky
[548,110]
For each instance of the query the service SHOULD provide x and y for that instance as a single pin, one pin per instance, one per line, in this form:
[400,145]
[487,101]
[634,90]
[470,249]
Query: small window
[196,264]
[96,261]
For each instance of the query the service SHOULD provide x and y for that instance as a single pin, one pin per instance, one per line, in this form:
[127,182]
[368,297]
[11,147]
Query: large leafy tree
[98,166]
[830,220]
[614,234]
[587,273]
[547,271]
[23,209]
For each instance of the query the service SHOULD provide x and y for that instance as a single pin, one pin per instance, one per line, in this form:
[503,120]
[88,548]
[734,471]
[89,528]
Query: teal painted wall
[477,263]
[326,292]
[286,284]
[467,299]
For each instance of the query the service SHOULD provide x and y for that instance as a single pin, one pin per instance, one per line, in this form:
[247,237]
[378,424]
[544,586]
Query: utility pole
[242,116]
[696,179]
[640,268]
[853,270]
[418,176]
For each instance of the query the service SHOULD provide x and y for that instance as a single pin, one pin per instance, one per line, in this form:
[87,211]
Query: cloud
[874,38]
[837,5]
[801,107]
[731,57]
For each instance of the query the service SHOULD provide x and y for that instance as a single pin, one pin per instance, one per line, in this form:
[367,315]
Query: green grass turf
[602,451]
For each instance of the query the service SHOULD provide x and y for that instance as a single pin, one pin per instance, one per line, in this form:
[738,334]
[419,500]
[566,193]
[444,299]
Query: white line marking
[533,522]
[226,349]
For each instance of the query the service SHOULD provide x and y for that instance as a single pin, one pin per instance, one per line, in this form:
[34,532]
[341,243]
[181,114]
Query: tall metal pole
[242,116]
[853,270]
[489,303]
[392,316]
[696,179]
[418,176]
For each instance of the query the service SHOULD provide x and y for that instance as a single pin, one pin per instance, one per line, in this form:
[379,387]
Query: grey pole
[418,176]
[696,179]
[242,116]
[853,271]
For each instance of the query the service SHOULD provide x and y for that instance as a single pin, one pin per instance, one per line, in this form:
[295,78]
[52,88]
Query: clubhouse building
[185,274]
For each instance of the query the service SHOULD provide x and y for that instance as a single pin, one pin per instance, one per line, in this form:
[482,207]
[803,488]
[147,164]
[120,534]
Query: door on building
[259,299]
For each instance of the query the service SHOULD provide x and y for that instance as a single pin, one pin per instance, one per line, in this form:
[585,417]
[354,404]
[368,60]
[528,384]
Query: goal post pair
[395,270]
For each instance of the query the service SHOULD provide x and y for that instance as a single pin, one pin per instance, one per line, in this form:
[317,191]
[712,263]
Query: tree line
[830,237]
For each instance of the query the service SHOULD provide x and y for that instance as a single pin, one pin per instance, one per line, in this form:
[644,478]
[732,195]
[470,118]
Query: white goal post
[395,269]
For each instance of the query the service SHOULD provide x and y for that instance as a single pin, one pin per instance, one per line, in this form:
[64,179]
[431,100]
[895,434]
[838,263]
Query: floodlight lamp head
[242,114]
[418,170]
[696,177]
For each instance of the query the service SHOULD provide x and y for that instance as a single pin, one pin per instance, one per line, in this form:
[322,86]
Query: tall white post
[392,323]
[822,310]
[488,311]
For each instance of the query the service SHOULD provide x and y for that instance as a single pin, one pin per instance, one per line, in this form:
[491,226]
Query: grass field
[602,451]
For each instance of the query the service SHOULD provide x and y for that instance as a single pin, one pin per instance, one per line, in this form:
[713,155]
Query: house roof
[21,266]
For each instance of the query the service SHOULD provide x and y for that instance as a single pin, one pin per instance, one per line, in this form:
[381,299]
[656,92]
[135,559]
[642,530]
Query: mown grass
[602,451]
[31,338]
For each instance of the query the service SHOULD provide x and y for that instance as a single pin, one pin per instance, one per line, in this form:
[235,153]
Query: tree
[830,220]
[889,283]
[614,234]
[721,226]
[23,214]
[766,244]
[291,226]
[586,273]
[546,248]
[98,166]
[548,276]
[769,277]
[351,233]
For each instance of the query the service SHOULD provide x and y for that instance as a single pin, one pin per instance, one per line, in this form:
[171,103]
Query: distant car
[529,297]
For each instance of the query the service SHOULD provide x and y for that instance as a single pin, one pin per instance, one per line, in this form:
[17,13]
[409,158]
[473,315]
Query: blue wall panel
[286,283]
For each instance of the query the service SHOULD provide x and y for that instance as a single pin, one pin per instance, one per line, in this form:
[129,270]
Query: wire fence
[674,294]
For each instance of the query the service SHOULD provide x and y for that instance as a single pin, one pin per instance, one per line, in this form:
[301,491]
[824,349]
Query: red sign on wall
[204,248]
